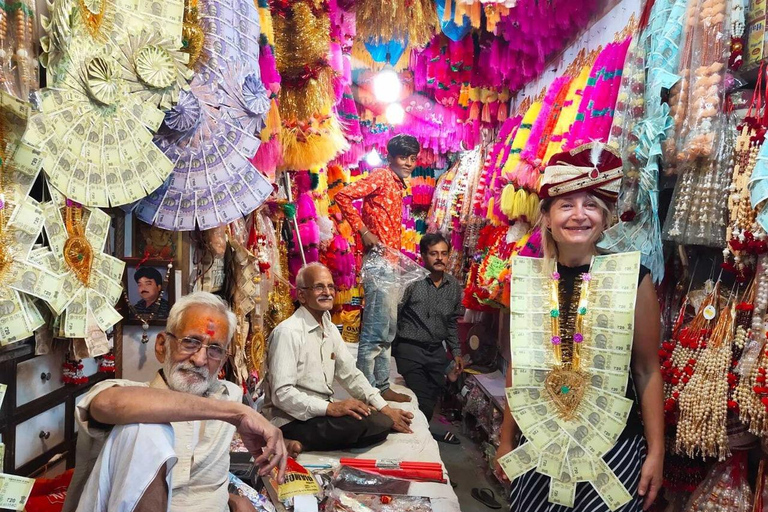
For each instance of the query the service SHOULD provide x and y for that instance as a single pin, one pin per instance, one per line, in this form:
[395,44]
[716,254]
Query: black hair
[403,145]
[149,273]
[431,239]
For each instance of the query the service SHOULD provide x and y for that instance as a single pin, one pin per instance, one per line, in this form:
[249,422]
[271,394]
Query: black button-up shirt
[428,314]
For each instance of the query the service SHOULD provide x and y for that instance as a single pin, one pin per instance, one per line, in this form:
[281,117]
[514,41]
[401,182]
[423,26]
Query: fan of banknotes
[212,132]
[112,74]
[91,279]
[24,284]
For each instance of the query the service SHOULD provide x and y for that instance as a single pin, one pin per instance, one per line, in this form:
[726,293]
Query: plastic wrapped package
[476,402]
[260,502]
[216,240]
[725,489]
[696,101]
[343,501]
[355,480]
[698,213]
[391,270]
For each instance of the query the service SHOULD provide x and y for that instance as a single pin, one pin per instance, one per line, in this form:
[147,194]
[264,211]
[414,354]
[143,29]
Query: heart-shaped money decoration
[566,389]
[78,256]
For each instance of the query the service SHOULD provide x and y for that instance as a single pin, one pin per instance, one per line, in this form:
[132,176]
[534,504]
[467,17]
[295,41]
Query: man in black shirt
[149,283]
[427,317]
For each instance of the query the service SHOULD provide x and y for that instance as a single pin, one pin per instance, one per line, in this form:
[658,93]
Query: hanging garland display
[106,93]
[91,278]
[212,133]
[311,134]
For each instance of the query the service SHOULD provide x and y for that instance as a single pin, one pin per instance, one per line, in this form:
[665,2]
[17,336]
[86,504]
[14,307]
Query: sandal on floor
[447,438]
[486,497]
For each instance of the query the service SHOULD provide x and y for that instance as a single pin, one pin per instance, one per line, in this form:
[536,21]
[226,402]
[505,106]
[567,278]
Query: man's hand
[459,364]
[401,418]
[264,441]
[370,240]
[348,407]
[239,503]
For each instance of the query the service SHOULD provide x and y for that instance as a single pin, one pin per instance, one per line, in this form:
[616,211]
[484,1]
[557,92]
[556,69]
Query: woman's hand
[501,451]
[651,478]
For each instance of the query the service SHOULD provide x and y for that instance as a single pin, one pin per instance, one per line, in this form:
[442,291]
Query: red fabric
[48,493]
[382,212]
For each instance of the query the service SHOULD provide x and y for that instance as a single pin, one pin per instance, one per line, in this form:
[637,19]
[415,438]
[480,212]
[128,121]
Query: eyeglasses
[320,288]
[190,345]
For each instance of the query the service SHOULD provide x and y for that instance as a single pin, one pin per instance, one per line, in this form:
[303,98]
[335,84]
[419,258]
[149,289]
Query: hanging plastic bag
[390,271]
[725,489]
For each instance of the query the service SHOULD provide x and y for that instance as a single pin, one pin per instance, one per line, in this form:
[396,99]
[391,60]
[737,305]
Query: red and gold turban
[593,167]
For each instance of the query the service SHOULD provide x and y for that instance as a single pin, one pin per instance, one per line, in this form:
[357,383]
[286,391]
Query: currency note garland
[91,278]
[571,412]
[213,131]
[24,281]
[112,72]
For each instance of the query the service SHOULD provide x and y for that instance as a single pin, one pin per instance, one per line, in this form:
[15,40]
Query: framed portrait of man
[150,291]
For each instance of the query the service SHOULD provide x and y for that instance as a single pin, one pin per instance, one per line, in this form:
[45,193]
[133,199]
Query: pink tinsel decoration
[268,157]
[527,173]
[268,67]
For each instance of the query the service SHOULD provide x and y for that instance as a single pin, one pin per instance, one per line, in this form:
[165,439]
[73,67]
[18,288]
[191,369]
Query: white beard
[178,382]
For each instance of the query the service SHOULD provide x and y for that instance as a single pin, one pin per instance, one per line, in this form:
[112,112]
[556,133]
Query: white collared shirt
[200,477]
[304,359]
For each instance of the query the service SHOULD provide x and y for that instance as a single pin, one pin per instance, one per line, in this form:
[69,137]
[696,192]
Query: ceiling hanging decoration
[212,133]
[113,67]
[409,22]
[311,134]
[91,278]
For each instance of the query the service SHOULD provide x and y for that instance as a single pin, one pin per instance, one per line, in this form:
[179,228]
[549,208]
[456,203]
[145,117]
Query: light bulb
[387,86]
[395,113]
[373,158]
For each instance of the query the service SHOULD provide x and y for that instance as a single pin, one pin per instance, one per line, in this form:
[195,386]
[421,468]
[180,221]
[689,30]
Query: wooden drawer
[29,382]
[29,443]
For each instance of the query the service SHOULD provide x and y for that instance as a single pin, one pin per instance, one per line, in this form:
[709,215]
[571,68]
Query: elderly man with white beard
[164,445]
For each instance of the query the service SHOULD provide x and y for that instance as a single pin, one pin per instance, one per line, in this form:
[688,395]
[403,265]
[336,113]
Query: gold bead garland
[704,401]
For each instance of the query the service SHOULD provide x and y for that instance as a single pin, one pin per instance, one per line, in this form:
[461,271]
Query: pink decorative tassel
[268,67]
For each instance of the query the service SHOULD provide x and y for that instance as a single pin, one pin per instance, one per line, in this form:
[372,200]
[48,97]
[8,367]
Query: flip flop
[486,497]
[447,438]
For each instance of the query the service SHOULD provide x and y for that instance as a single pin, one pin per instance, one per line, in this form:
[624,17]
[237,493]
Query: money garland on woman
[579,322]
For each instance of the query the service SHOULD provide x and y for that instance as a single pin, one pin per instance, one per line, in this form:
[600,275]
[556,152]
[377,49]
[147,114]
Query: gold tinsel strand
[414,21]
[302,38]
[316,97]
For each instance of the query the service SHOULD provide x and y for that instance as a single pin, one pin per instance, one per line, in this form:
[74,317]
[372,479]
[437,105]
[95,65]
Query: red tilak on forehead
[211,331]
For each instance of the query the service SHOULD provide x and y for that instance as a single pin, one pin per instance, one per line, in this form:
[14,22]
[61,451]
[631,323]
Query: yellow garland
[313,144]
[521,137]
[568,113]
[414,21]
[265,22]
[314,98]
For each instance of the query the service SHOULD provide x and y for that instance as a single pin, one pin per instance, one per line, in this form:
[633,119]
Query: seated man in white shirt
[306,354]
[164,445]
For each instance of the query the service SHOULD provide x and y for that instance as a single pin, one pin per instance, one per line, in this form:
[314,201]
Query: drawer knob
[44,435]
[45,376]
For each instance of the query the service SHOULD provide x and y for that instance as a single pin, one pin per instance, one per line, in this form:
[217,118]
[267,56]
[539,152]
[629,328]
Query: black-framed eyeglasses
[190,345]
[320,288]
